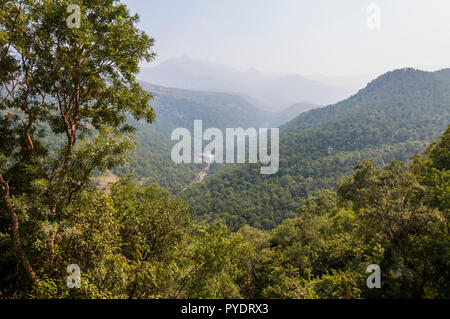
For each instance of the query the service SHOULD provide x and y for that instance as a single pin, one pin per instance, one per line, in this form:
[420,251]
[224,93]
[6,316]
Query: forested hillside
[69,110]
[179,108]
[395,116]
[150,161]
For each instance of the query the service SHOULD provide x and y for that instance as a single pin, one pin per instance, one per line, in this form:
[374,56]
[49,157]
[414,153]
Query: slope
[151,161]
[395,116]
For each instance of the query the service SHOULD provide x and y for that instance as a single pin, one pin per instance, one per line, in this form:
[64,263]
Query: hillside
[395,116]
[291,112]
[179,108]
[150,161]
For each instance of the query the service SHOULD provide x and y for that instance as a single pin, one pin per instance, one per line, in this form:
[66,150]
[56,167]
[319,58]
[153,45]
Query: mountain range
[151,162]
[394,116]
[272,92]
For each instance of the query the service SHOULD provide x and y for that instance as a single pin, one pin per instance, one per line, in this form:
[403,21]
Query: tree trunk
[15,231]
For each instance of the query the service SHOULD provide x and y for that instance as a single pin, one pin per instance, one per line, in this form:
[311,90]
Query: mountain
[150,161]
[350,81]
[293,88]
[291,112]
[394,116]
[179,108]
[272,92]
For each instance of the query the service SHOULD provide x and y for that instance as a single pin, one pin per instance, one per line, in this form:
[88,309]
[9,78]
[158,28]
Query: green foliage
[395,116]
[65,97]
[434,169]
[141,242]
[151,161]
[338,286]
[381,216]
[393,208]
[66,100]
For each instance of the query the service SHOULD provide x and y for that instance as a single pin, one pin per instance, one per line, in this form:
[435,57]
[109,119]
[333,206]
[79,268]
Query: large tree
[66,92]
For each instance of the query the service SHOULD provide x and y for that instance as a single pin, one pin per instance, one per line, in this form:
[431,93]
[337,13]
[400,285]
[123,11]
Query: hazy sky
[297,36]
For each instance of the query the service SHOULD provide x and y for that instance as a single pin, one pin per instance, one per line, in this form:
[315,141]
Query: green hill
[395,116]
[150,162]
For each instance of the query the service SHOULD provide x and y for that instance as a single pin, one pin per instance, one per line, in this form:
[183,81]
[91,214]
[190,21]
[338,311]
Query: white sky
[327,37]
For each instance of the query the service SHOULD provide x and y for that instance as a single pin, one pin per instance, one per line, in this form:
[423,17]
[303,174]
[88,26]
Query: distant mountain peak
[271,92]
[399,78]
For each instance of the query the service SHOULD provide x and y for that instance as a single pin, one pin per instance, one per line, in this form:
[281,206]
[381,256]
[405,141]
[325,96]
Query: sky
[327,37]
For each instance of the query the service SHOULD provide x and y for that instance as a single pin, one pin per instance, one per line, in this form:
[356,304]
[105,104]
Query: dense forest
[150,161]
[345,197]
[395,116]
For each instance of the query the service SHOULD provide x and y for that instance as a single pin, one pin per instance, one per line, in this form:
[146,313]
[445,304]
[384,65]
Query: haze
[324,37]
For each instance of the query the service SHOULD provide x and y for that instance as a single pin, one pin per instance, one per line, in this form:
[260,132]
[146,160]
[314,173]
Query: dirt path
[200,177]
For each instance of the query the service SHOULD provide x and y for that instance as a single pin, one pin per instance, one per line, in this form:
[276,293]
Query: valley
[395,116]
[179,150]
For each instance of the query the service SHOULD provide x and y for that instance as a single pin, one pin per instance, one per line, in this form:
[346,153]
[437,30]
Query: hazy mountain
[394,116]
[269,91]
[291,112]
[352,82]
[179,108]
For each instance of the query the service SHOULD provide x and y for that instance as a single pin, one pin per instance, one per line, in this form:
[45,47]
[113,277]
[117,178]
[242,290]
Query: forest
[365,181]
[395,116]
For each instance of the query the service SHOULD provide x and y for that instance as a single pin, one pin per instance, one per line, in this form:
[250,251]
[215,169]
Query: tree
[393,213]
[433,169]
[65,96]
